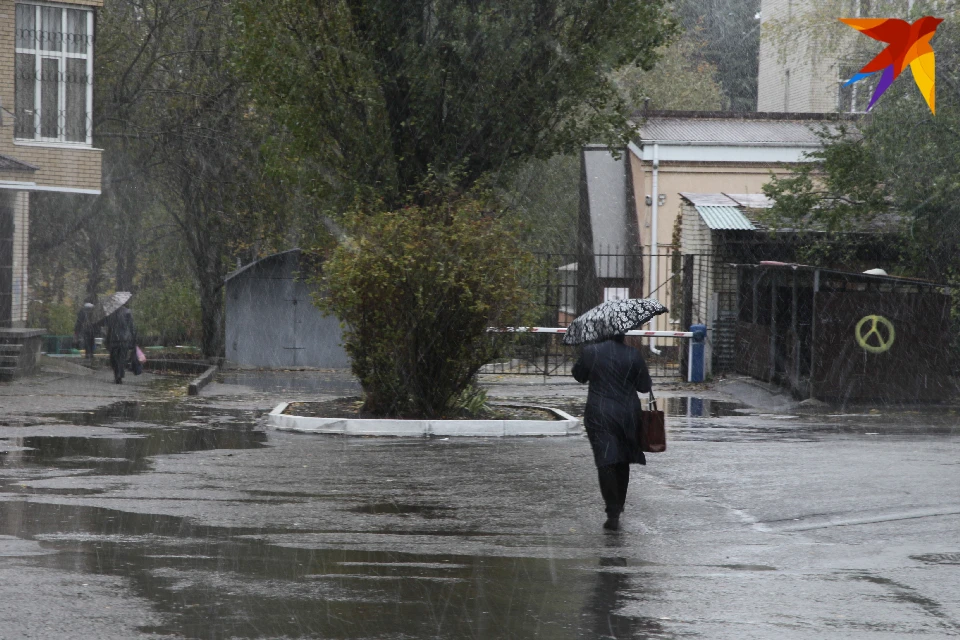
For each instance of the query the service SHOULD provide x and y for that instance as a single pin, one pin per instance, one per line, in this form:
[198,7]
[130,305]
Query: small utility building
[843,336]
[271,321]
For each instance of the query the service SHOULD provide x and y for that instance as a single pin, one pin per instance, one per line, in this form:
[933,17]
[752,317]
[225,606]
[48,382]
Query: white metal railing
[636,332]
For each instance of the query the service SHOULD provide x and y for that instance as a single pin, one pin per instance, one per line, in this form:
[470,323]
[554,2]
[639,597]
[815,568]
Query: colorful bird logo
[908,44]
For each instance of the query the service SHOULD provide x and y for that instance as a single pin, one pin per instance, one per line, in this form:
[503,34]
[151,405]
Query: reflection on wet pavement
[211,582]
[334,579]
[695,407]
[140,431]
[226,583]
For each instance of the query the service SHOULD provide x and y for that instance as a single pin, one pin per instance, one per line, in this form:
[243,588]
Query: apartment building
[46,126]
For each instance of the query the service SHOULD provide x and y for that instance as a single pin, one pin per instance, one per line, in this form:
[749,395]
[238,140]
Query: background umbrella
[612,318]
[110,304]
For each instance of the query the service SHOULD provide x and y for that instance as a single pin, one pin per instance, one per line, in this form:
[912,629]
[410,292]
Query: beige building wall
[675,178]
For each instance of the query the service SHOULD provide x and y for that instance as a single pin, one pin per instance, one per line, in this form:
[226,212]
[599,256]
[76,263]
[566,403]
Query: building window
[615,293]
[54,74]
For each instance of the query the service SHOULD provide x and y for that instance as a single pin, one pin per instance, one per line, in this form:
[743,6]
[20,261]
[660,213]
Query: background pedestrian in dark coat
[86,329]
[121,340]
[616,373]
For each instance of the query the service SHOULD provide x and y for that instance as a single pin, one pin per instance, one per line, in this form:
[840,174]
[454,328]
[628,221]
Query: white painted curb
[566,426]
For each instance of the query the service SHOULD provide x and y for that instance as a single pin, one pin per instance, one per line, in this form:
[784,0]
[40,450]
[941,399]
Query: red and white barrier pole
[653,334]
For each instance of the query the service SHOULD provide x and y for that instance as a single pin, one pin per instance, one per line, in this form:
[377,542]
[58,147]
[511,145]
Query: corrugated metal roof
[724,217]
[729,131]
[751,200]
[719,199]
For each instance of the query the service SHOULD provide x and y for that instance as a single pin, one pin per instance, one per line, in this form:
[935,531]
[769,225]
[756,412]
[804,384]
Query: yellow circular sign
[870,337]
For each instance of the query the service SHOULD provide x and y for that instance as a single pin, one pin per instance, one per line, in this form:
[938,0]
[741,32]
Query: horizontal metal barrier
[540,351]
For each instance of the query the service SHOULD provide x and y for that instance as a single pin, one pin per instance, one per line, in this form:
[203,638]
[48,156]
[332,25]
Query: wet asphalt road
[190,519]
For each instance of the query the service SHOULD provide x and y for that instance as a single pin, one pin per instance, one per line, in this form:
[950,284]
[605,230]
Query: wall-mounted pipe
[654,246]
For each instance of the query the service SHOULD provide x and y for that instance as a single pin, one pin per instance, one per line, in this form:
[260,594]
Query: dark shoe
[612,523]
[118,380]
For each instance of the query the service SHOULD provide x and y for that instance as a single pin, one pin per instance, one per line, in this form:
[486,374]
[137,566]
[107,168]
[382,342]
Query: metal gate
[684,287]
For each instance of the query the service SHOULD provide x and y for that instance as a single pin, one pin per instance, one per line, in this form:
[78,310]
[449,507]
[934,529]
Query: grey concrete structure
[271,321]
[607,229]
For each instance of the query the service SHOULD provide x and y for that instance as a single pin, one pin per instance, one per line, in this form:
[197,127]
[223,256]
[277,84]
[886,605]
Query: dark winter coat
[616,372]
[120,329]
[85,326]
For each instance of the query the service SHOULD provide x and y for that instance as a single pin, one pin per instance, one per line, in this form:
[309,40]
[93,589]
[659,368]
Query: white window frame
[615,293]
[61,56]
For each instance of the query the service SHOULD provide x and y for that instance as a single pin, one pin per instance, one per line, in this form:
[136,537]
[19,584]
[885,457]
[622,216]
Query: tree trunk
[126,253]
[209,269]
[211,318]
[94,266]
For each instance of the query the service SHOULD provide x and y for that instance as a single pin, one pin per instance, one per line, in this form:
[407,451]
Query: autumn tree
[382,98]
[382,92]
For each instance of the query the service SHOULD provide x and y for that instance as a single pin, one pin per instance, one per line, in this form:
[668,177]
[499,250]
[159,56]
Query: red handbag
[653,428]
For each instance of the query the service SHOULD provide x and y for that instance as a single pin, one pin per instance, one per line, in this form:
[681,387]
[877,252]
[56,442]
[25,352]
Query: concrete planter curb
[566,426]
[198,383]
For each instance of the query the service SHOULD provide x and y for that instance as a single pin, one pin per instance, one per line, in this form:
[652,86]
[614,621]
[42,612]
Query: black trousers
[614,479]
[89,344]
[119,356]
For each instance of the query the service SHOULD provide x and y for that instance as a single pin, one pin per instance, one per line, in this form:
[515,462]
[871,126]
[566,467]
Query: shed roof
[722,129]
[849,275]
[725,218]
[751,200]
[263,260]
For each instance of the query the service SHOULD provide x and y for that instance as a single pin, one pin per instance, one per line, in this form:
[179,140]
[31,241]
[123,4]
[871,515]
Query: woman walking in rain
[121,340]
[86,329]
[616,372]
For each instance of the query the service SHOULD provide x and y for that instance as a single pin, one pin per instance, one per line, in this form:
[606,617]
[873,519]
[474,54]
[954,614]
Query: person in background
[121,340]
[86,329]
[616,372]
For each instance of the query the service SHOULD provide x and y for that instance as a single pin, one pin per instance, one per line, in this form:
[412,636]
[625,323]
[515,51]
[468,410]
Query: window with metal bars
[54,74]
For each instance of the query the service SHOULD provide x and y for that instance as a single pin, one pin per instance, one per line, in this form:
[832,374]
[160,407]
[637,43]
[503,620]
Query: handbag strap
[652,402]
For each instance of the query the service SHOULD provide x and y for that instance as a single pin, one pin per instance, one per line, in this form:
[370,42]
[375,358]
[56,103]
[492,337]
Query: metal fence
[683,286]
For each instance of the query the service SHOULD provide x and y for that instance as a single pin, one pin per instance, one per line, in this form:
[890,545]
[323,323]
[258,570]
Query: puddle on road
[210,582]
[126,454]
[694,407]
[143,430]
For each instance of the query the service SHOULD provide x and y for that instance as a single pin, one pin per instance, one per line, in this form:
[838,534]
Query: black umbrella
[612,318]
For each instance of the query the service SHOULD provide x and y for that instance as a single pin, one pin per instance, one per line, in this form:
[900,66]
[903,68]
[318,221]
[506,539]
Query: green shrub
[61,319]
[170,312]
[416,290]
[58,319]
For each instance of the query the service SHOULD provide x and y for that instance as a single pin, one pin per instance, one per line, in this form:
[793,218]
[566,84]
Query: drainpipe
[654,276]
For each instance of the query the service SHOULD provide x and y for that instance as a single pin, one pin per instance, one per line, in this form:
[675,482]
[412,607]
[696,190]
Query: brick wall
[59,167]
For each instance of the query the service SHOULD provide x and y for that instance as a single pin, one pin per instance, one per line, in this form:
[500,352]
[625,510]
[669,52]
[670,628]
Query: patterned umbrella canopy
[612,318]
[110,305]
